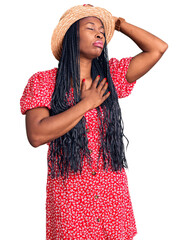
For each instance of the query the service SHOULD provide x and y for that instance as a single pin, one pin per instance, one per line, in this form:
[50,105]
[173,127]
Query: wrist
[86,105]
[118,23]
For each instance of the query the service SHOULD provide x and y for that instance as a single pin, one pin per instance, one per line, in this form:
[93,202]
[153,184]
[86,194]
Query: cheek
[86,41]
[83,43]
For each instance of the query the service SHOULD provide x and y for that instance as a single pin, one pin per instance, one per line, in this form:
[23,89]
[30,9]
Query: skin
[152,48]
[42,128]
[89,33]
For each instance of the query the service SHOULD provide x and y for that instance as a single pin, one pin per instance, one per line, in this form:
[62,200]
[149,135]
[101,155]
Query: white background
[155,117]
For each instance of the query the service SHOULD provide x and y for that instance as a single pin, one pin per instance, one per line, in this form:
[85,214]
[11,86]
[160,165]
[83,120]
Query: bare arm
[153,48]
[43,128]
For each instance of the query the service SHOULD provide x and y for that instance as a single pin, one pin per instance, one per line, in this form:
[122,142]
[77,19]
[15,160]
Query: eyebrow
[94,24]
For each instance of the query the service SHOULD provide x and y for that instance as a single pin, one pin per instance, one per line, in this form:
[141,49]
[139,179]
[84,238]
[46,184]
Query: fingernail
[83,80]
[98,76]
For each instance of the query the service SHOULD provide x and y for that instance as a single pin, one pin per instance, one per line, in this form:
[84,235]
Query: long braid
[67,152]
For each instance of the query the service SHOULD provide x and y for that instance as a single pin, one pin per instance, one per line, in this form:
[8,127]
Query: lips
[98,44]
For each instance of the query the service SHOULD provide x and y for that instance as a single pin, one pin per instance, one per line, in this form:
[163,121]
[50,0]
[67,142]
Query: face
[91,30]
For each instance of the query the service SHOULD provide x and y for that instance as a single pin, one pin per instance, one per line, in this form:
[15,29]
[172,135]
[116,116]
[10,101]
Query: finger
[106,96]
[95,82]
[83,84]
[104,89]
[102,84]
[105,86]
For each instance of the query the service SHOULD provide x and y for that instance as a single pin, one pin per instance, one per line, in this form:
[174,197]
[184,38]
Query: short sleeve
[38,91]
[118,70]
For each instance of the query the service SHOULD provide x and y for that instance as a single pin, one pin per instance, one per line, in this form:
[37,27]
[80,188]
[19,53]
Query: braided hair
[67,152]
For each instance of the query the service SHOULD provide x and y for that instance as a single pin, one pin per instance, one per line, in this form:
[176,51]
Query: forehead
[95,20]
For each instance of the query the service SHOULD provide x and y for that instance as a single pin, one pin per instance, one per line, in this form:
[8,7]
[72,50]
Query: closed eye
[93,29]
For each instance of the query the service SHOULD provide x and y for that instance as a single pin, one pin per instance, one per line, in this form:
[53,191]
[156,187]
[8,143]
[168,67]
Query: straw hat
[72,15]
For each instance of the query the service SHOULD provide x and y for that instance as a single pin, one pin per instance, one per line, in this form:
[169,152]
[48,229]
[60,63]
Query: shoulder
[118,70]
[118,67]
[41,81]
[114,62]
[46,77]
[39,90]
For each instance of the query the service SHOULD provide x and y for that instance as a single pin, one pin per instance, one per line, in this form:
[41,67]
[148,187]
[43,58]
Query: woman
[74,109]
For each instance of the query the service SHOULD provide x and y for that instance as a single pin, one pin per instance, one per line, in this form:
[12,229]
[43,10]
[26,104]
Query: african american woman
[75,110]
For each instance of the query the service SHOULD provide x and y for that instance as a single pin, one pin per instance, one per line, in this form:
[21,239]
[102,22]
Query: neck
[85,71]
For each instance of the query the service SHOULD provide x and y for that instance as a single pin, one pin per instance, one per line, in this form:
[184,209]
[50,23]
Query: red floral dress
[95,205]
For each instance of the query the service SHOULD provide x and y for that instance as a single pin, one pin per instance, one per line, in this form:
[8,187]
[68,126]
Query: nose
[99,35]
